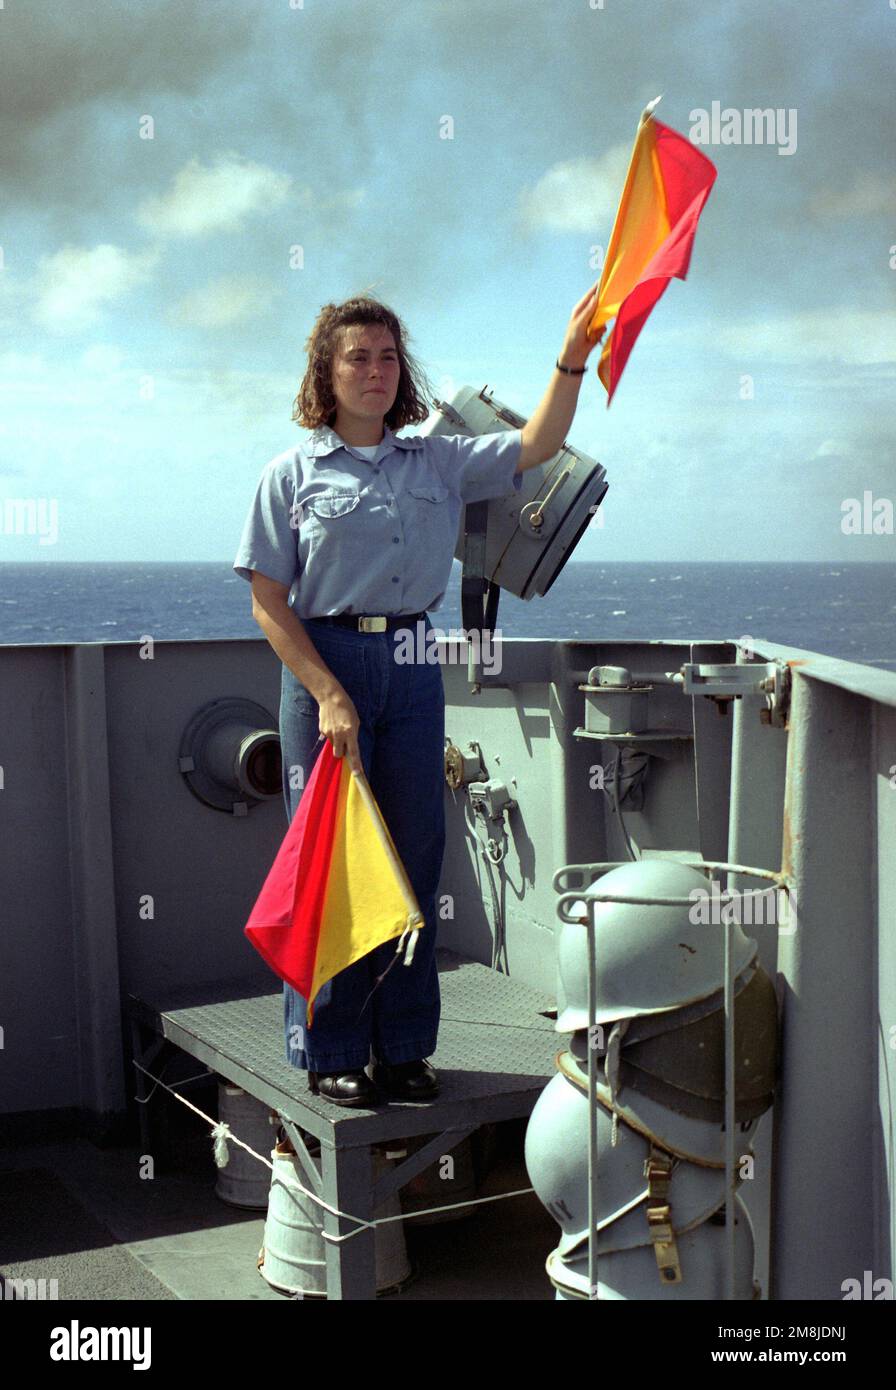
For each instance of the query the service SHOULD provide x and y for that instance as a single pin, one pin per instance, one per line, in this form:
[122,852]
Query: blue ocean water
[848,611]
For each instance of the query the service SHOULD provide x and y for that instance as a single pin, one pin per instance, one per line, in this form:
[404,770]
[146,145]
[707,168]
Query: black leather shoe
[344,1087]
[407,1080]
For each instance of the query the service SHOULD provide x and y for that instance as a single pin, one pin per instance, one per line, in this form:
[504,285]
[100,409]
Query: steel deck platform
[496,1052]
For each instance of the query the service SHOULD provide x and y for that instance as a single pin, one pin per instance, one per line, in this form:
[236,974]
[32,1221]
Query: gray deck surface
[81,1215]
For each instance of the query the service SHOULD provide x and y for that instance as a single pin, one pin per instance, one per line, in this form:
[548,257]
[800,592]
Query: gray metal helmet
[649,957]
[678,1058]
[638,1030]
[698,1141]
[556,1155]
[633,1274]
[684,1069]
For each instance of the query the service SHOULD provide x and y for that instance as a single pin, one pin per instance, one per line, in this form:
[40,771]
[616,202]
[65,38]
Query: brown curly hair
[315,404]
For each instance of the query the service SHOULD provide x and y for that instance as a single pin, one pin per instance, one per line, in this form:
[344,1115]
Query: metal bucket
[244,1182]
[439,1185]
[293,1257]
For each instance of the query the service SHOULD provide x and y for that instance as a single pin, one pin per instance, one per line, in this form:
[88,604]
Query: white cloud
[102,358]
[816,335]
[330,202]
[869,194]
[208,199]
[855,337]
[104,384]
[578,195]
[833,448]
[15,302]
[17,365]
[229,299]
[73,284]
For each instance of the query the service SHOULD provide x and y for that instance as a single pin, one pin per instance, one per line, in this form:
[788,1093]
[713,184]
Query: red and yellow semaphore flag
[667,185]
[337,888]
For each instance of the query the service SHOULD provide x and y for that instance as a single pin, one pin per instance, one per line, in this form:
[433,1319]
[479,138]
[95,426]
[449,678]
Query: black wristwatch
[571,371]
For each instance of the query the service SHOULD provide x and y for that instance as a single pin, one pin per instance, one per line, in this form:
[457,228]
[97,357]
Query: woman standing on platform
[348,542]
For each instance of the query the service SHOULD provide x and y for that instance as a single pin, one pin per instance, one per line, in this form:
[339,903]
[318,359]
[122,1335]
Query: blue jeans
[401,739]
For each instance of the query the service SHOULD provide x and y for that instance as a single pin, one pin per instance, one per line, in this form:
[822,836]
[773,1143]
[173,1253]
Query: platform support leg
[154,1133]
[347,1184]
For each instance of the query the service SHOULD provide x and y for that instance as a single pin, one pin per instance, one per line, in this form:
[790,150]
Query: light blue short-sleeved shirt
[351,534]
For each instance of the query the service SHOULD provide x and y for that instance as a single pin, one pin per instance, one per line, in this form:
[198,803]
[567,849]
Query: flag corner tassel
[409,942]
[413,925]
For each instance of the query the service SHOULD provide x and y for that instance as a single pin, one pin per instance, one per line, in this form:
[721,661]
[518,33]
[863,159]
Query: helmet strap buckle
[658,1170]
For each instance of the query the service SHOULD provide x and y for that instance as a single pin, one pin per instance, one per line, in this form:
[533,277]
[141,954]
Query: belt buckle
[377,624]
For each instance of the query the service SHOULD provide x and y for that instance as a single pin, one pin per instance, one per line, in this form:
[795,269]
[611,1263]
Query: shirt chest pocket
[333,528]
[329,506]
[429,514]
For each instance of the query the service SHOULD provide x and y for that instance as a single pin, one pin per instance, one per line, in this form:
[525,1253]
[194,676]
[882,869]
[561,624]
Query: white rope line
[221,1133]
[184,1080]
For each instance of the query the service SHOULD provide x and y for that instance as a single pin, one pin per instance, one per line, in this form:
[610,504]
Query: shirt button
[395,579]
[395,540]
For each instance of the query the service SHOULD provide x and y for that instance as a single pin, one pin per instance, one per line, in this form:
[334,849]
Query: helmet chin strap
[611,1068]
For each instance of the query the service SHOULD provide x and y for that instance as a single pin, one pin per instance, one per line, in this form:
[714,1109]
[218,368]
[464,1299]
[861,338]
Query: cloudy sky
[153,314]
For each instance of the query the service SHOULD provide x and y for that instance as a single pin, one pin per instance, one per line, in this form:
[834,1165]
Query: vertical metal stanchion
[729,1110]
[592,1105]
